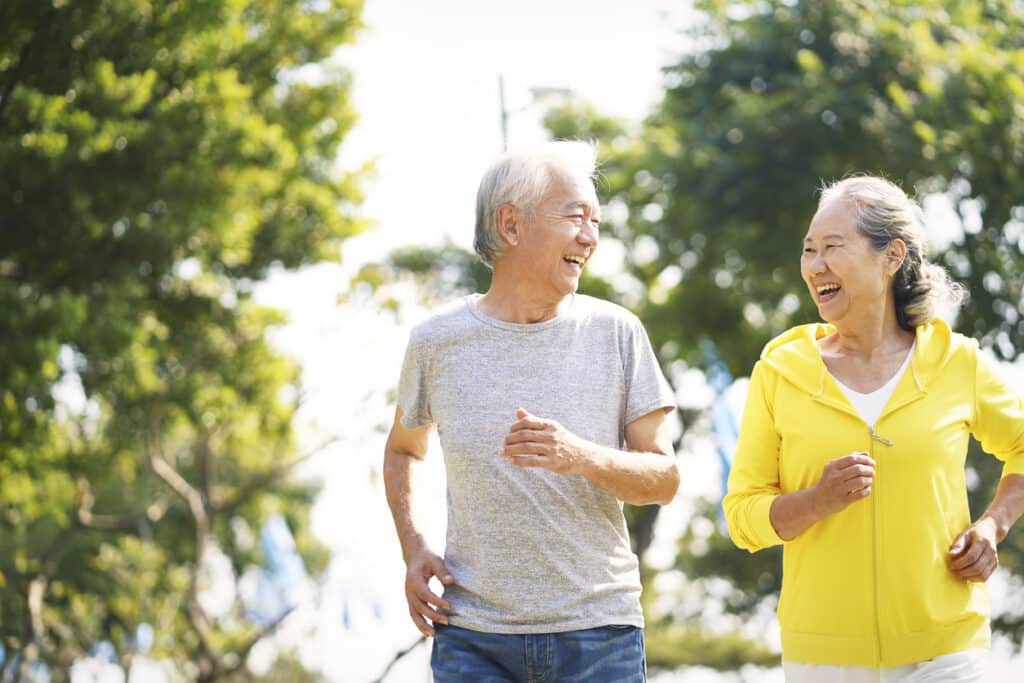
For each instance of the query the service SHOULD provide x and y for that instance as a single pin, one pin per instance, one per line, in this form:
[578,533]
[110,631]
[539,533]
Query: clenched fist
[843,482]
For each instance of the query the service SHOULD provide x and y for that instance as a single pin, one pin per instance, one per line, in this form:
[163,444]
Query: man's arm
[403,454]
[644,474]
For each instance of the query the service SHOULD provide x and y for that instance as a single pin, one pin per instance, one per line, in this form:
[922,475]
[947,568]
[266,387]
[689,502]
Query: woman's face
[847,279]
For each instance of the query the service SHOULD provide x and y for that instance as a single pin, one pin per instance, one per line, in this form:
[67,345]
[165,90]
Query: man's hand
[973,555]
[536,442]
[424,604]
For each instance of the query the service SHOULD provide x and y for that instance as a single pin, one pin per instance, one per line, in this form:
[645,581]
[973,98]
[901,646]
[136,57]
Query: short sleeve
[646,387]
[413,394]
[998,417]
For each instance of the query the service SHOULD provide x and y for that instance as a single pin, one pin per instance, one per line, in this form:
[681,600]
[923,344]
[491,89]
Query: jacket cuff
[761,523]
[1014,465]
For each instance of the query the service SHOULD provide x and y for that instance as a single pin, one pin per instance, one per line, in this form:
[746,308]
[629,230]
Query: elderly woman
[851,455]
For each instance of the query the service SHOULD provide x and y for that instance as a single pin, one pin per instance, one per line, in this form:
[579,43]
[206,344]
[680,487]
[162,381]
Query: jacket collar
[794,355]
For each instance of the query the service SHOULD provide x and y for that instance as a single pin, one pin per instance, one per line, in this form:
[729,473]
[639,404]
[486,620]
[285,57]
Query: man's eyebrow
[579,204]
[830,236]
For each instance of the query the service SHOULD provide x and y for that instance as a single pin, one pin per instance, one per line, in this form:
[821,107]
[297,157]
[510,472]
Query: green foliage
[156,159]
[675,647]
[755,576]
[777,97]
[285,668]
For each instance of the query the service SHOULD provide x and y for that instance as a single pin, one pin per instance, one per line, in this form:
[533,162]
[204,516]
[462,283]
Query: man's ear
[895,254]
[508,220]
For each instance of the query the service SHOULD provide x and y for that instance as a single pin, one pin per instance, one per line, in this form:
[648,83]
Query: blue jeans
[608,654]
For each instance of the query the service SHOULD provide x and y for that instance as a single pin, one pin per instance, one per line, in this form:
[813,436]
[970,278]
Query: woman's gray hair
[882,213]
[522,179]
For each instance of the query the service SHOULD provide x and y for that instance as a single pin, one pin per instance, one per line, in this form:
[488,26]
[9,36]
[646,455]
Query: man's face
[560,236]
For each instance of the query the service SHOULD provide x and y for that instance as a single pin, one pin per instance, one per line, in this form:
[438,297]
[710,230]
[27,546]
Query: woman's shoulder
[799,340]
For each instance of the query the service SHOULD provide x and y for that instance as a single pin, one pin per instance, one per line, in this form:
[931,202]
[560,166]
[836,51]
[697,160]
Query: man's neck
[514,301]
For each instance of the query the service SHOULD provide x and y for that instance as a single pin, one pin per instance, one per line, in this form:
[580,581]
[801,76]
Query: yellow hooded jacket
[869,586]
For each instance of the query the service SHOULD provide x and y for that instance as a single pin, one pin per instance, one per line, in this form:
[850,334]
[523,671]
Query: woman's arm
[973,555]
[843,482]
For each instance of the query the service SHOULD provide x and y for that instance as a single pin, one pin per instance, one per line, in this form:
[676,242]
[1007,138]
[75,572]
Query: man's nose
[588,235]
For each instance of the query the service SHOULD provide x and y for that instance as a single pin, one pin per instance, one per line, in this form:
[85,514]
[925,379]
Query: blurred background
[220,218]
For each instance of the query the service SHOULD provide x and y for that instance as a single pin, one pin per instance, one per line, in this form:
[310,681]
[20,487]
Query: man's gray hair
[882,213]
[522,179]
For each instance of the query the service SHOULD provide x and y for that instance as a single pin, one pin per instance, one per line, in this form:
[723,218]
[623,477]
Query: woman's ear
[895,254]
[507,218]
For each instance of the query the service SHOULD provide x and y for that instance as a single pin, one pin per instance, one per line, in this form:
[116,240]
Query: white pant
[960,667]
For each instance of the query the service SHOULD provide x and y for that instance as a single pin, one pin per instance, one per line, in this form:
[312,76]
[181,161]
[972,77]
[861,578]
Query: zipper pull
[876,437]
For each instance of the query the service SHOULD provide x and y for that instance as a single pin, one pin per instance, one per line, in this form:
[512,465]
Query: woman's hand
[973,555]
[843,482]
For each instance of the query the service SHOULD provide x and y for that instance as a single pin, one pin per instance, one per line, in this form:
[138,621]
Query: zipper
[877,437]
[874,539]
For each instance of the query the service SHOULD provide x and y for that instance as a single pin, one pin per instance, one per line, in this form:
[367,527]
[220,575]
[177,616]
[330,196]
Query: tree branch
[229,504]
[398,656]
[36,594]
[197,618]
[243,652]
[86,518]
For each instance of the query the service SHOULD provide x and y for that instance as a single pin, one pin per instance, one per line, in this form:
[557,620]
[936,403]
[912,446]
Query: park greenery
[157,160]
[711,196]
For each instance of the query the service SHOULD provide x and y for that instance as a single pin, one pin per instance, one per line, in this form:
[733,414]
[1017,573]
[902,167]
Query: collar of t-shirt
[870,406]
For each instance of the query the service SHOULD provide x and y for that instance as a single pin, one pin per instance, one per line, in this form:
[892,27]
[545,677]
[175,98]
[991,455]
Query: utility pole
[537,94]
[504,113]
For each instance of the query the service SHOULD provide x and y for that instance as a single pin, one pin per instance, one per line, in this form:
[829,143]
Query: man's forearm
[633,477]
[398,477]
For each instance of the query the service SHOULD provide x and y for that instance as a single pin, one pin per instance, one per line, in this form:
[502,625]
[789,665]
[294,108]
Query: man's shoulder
[604,311]
[448,320]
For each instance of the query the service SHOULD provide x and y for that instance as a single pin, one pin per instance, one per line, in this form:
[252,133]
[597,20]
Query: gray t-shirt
[532,551]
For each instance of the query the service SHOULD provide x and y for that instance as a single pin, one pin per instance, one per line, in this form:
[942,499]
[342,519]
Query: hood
[794,354]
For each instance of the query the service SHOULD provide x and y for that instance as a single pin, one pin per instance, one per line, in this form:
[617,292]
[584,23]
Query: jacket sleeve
[998,417]
[754,477]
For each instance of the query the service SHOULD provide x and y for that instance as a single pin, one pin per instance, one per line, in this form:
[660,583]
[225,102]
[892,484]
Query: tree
[156,161]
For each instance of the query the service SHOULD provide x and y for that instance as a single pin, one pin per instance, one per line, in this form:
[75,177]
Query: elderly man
[551,410]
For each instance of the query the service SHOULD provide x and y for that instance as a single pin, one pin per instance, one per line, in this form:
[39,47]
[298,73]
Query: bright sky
[426,89]
[427,92]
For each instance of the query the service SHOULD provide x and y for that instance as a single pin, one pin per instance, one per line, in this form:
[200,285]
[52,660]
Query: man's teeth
[828,289]
[574,259]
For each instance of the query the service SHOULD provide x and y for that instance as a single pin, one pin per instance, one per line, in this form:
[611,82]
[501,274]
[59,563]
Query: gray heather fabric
[532,551]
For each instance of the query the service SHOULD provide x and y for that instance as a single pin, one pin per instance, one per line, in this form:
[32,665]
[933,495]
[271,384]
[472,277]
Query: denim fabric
[608,654]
